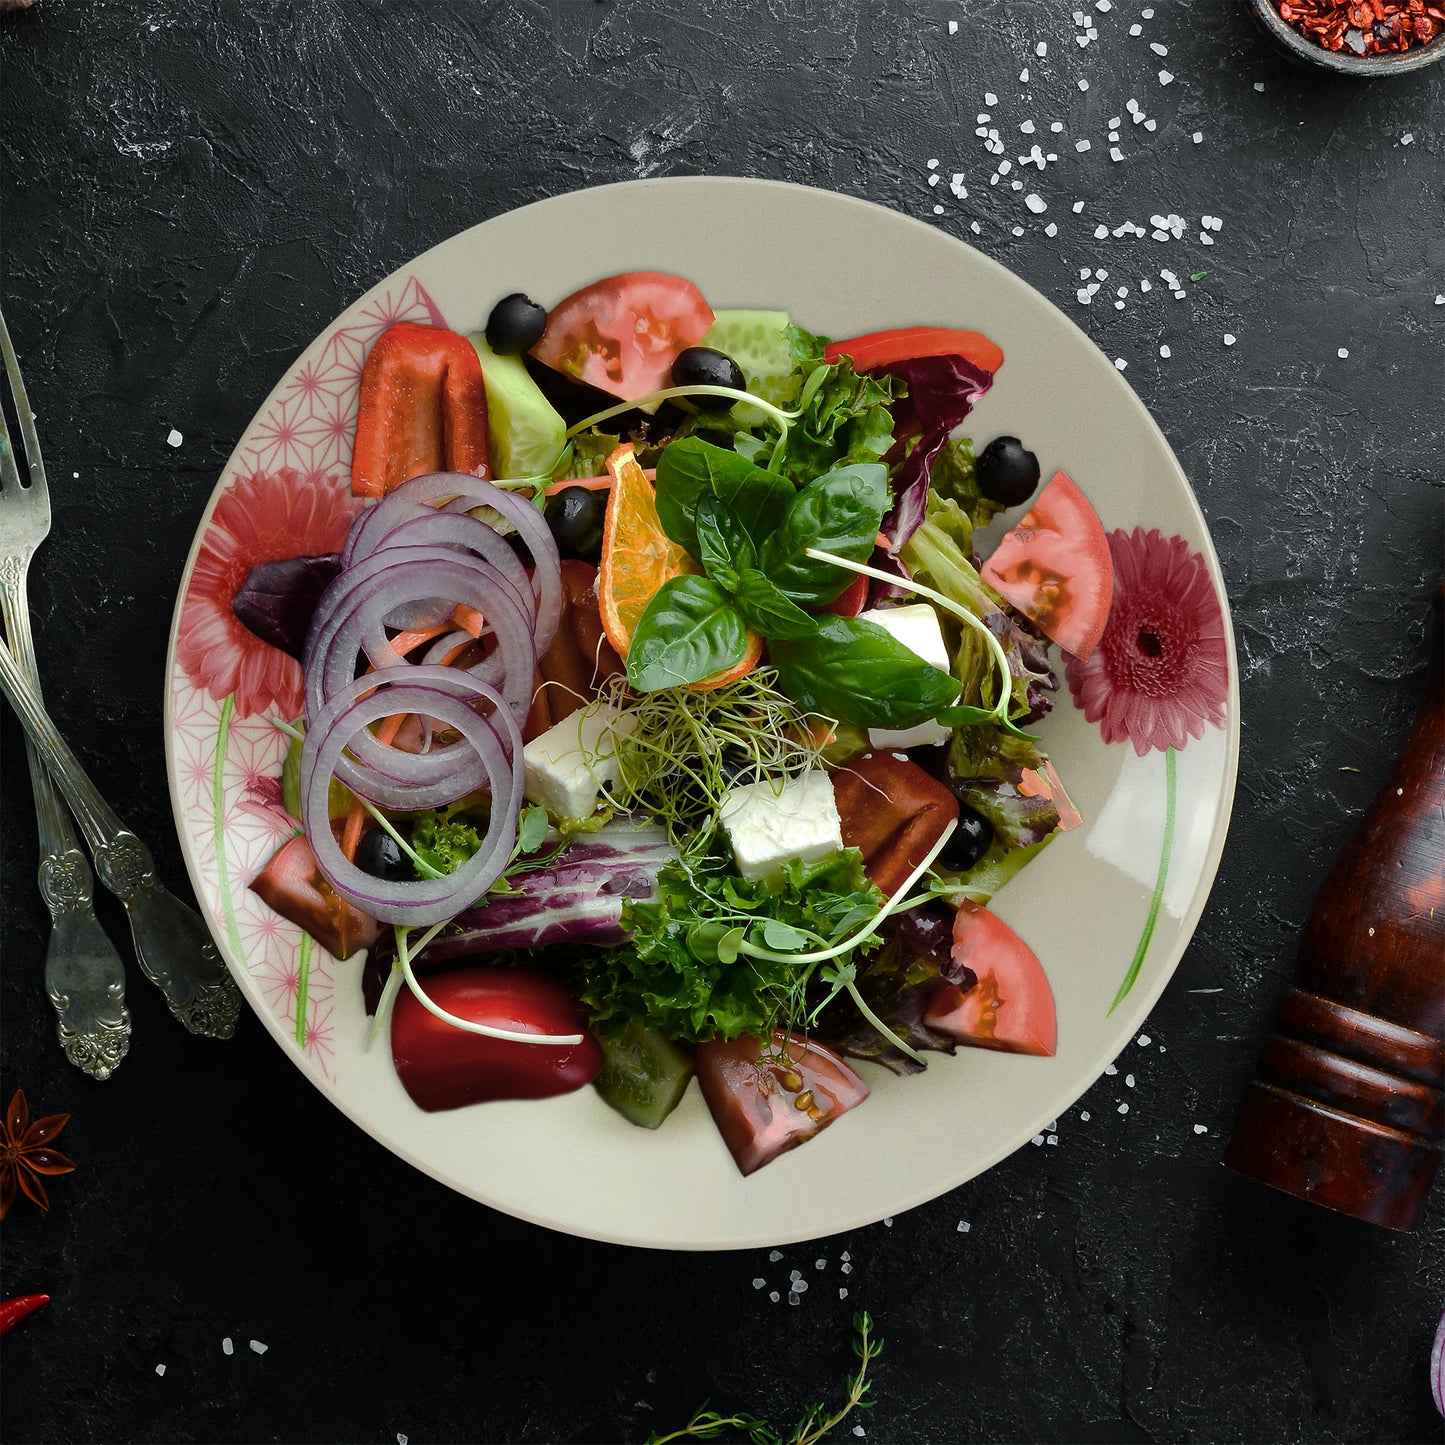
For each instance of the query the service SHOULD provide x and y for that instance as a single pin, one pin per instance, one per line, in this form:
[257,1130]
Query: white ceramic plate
[841,267]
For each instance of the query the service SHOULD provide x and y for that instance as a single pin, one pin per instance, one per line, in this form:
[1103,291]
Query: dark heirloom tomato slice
[1056,568]
[763,1109]
[623,333]
[444,1067]
[1011,1007]
[893,813]
[908,343]
[293,885]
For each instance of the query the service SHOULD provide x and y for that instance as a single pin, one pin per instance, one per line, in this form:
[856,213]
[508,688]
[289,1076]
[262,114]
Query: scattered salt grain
[774,1296]
[975,228]
[1024,76]
[1016,186]
[174,439]
[1201,1128]
[1343,353]
[990,98]
[759,1283]
[934,180]
[1123,1108]
[1136,30]
[1113,135]
[1103,5]
[888,1222]
[842,1294]
[1016,230]
[1144,1041]
[957,186]
[1110,1069]
[1408,139]
[1115,154]
[1083,145]
[859,1430]
[258,1347]
[800,1286]
[820,1264]
[1051,229]
[1041,49]
[1146,284]
[160,1369]
[953,27]
[1079,206]
[847,1268]
[1147,14]
[1165,352]
[1439,301]
[1083,84]
[1151,124]
[1197,137]
[1259,85]
[774,1255]
[1085,296]
[1160,50]
[1027,127]
[1205,239]
[1056,126]
[1229,338]
[964,1226]
[1084,1116]
[1052,1139]
[1037,1139]
[1120,363]
[1118,306]
[1036,203]
[1165,78]
[400,1438]
[1122,292]
[938,210]
[1129,1081]
[227,1348]
[1100,232]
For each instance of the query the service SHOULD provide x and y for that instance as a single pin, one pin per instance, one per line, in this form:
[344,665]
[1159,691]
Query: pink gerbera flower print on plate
[1161,670]
[264,517]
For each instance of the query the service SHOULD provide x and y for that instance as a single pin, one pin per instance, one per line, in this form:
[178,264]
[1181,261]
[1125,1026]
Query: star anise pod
[25,1153]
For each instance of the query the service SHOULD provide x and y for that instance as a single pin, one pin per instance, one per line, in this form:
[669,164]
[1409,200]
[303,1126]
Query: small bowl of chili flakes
[1357,37]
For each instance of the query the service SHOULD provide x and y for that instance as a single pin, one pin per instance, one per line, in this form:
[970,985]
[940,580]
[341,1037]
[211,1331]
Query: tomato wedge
[1011,1007]
[294,886]
[1056,568]
[444,1067]
[763,1109]
[423,408]
[907,343]
[622,334]
[893,813]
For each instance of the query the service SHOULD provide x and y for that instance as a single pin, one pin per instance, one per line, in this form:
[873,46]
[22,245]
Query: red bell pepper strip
[423,409]
[908,343]
[12,1311]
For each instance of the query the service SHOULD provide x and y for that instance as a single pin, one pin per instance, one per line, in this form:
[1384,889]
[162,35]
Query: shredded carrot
[351,837]
[405,642]
[593,484]
[468,619]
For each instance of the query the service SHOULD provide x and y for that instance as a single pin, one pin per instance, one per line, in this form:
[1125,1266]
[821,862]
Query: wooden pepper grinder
[1347,1108]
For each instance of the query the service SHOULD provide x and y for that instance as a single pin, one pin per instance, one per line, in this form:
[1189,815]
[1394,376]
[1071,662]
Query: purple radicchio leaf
[941,393]
[277,599]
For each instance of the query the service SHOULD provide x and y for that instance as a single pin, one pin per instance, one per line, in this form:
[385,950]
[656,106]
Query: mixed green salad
[661,719]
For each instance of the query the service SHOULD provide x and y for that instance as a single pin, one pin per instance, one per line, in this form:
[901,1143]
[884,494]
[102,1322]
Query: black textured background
[192,190]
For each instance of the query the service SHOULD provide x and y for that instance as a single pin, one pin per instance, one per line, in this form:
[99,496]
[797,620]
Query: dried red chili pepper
[12,1311]
[1365,27]
[423,409]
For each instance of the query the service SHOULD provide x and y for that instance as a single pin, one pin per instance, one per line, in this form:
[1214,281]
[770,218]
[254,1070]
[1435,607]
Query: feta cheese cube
[916,627]
[768,826]
[569,764]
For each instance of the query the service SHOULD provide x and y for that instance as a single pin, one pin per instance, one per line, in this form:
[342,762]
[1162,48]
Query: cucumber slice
[525,431]
[644,1075]
[758,342]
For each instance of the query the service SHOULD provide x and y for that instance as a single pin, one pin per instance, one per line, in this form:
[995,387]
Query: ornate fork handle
[174,948]
[84,975]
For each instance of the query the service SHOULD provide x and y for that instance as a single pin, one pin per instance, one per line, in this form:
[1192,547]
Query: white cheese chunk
[767,826]
[568,765]
[916,627]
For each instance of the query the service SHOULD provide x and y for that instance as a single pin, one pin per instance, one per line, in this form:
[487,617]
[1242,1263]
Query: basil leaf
[839,512]
[688,631]
[724,548]
[766,610]
[689,469]
[856,672]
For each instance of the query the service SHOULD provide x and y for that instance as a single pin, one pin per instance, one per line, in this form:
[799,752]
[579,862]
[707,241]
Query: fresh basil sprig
[752,532]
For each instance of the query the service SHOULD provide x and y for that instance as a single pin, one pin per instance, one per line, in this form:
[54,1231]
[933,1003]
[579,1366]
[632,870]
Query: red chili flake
[1365,27]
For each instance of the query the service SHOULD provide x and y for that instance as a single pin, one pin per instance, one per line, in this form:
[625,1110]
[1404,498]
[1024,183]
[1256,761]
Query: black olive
[516,324]
[702,366]
[380,854]
[969,842]
[575,516]
[1007,474]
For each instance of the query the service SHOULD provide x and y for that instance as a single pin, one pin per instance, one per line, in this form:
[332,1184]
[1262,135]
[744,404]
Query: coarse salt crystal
[1165,78]
[1197,137]
[1160,235]
[1129,1080]
[800,1286]
[842,1294]
[964,1226]
[1083,84]
[1036,203]
[1147,14]
[1120,364]
[1024,76]
[258,1347]
[1102,274]
[1408,139]
[1056,126]
[1165,352]
[1113,135]
[1004,167]
[983,118]
[160,1369]
[1041,49]
[774,1296]
[975,228]
[774,1255]
[938,210]
[1259,85]
[953,27]
[1037,1139]
[1205,239]
[1051,1139]
[1146,284]
[933,164]
[1343,353]
[759,1283]
[1123,1108]
[1151,124]
[1100,232]
[989,98]
[1051,229]
[1084,1115]
[174,439]
[1016,185]
[1159,50]
[888,1222]
[1201,1128]
[1229,338]
[1027,127]
[1122,292]
[1079,206]
[227,1347]
[1082,145]
[820,1264]
[1136,30]
[1439,301]
[1103,6]
[1016,230]
[934,180]
[1115,154]
[1143,1041]
[1111,1069]
[1085,296]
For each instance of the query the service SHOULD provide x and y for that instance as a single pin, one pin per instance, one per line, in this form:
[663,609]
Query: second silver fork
[84,975]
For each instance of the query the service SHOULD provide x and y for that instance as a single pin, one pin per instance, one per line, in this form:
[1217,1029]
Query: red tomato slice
[907,343]
[295,887]
[763,1110]
[1056,568]
[443,1067]
[1011,1007]
[622,334]
[851,600]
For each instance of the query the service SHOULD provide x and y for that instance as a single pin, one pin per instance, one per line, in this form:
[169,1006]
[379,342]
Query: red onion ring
[428,900]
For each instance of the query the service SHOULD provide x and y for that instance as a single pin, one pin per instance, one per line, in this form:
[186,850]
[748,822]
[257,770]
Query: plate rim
[1141,999]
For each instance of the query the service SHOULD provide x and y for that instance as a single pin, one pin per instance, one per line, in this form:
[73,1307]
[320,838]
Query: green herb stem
[511,1036]
[783,419]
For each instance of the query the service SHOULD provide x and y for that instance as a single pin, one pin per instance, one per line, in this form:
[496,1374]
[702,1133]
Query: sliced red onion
[445,644]
[461,493]
[430,900]
[1437,1367]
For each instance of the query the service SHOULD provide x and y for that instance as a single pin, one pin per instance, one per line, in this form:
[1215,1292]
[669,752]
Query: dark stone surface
[191,192]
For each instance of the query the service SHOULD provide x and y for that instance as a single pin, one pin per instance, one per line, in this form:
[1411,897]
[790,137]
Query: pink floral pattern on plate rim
[287,492]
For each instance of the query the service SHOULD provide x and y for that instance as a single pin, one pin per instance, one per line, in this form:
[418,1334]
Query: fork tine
[9,473]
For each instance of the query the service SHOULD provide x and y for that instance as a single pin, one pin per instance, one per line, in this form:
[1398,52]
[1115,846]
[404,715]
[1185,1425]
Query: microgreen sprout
[686,748]
[957,716]
[782,419]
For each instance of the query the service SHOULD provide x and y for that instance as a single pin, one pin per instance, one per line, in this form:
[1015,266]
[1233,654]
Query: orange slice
[638,557]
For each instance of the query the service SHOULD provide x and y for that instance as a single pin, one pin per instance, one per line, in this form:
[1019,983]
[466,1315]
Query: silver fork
[83,972]
[84,976]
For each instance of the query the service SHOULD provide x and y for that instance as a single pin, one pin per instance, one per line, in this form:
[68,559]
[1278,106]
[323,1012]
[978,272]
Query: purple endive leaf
[277,599]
